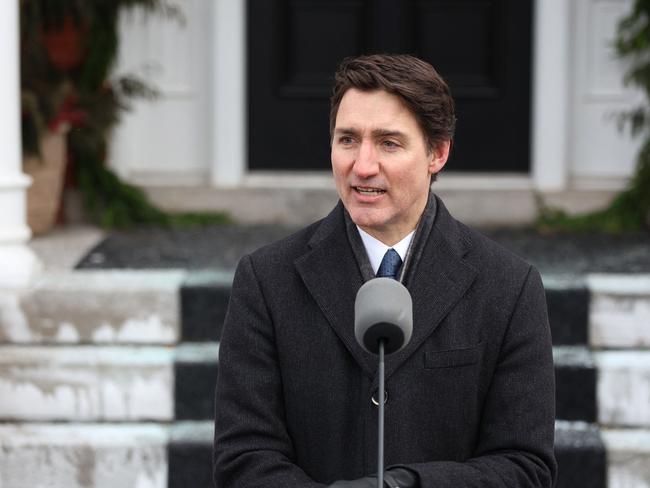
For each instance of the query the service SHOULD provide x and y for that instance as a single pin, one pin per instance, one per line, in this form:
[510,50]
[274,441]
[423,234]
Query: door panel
[481,47]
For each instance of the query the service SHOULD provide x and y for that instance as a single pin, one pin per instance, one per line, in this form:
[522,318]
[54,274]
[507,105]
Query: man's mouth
[368,190]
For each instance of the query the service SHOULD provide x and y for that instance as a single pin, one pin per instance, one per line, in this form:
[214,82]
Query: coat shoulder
[491,253]
[475,248]
[495,264]
[282,253]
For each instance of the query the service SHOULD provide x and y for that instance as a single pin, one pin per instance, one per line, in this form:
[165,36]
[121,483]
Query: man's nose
[366,163]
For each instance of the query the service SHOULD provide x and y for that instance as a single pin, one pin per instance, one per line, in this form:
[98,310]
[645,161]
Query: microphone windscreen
[383,310]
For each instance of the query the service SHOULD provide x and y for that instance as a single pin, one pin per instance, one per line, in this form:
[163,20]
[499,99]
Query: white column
[229,153]
[551,83]
[17,263]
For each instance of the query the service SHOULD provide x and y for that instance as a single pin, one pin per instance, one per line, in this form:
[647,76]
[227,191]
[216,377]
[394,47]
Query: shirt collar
[375,249]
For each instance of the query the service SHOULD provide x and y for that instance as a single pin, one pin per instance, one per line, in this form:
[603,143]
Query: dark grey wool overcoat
[470,401]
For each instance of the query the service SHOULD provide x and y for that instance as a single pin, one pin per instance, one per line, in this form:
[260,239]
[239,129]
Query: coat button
[374,400]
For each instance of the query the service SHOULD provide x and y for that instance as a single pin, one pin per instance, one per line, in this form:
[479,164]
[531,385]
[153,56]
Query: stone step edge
[623,298]
[104,306]
[79,455]
[152,452]
[627,450]
[628,457]
[623,388]
[202,432]
[17,434]
[622,379]
[89,383]
[208,352]
[124,383]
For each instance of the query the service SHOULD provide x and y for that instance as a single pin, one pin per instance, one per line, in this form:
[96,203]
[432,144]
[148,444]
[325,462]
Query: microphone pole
[380,420]
[383,324]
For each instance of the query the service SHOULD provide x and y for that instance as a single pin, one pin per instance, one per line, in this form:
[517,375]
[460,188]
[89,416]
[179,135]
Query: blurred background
[146,145]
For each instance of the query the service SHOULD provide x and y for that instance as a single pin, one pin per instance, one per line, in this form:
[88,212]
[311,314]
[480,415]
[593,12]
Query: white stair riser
[628,458]
[86,383]
[619,315]
[95,307]
[623,388]
[81,456]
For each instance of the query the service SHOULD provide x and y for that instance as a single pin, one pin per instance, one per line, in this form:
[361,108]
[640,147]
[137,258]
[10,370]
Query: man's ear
[439,156]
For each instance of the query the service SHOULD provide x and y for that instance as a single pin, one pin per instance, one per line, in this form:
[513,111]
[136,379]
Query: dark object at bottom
[576,392]
[189,465]
[581,459]
[193,390]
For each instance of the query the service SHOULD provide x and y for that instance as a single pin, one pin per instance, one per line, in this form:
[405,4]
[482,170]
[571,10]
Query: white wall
[167,139]
[600,155]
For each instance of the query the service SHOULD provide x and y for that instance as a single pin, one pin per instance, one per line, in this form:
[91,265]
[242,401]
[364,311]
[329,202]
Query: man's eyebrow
[345,130]
[388,133]
[375,133]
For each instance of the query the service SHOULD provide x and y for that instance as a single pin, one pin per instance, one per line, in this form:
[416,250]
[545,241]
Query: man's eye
[346,140]
[389,144]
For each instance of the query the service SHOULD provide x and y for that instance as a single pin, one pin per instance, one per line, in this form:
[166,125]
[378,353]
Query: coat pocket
[452,358]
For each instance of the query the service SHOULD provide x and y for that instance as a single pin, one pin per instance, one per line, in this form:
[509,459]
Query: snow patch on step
[623,388]
[86,383]
[619,314]
[628,457]
[83,456]
[95,307]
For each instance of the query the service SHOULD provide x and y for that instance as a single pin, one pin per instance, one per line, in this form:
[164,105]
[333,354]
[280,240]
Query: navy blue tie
[390,265]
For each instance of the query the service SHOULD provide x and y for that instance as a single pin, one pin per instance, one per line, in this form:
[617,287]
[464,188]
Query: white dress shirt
[375,249]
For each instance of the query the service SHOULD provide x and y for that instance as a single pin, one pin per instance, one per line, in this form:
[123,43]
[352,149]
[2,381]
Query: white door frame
[550,92]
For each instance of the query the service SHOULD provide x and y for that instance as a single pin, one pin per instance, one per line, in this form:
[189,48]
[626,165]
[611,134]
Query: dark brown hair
[416,82]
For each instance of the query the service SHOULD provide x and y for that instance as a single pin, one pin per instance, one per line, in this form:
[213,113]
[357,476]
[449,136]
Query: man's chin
[366,218]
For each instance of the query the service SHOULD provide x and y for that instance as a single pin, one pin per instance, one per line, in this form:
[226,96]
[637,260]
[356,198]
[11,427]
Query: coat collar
[332,276]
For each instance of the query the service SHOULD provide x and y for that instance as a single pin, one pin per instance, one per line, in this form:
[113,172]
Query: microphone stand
[381,330]
[380,421]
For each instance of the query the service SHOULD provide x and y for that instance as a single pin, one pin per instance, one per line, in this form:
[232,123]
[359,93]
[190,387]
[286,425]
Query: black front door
[481,47]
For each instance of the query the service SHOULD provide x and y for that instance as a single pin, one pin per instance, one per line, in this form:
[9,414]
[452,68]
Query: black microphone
[383,323]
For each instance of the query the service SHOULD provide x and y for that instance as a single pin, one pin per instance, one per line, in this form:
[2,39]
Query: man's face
[382,166]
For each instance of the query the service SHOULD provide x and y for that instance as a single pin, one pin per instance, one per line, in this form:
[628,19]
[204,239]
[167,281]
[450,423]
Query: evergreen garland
[630,210]
[84,97]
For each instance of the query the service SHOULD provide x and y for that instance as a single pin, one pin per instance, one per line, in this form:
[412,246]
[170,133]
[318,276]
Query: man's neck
[391,237]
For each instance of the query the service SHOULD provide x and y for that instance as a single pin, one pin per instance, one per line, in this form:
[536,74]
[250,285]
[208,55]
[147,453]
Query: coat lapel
[331,274]
[439,281]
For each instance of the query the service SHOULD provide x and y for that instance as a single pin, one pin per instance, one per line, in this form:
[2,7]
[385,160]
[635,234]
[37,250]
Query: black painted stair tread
[189,455]
[221,247]
[575,384]
[581,456]
[195,373]
[568,314]
[204,301]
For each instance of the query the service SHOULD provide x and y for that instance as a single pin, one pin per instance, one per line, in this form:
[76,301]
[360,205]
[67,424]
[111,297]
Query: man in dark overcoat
[469,402]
